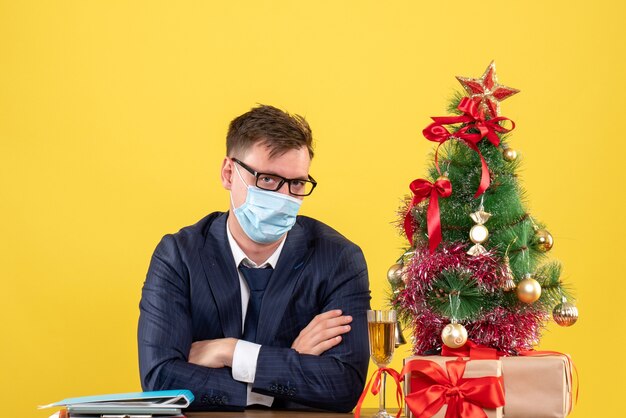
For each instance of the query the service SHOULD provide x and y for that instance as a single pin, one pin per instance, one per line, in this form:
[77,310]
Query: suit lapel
[220,270]
[281,285]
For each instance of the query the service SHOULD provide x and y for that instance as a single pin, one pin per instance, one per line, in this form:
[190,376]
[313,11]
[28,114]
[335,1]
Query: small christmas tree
[476,266]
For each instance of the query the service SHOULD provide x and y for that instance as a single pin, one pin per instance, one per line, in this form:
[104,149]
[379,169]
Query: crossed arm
[321,334]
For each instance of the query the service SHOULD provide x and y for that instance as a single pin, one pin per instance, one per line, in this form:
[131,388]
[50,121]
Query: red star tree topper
[486,90]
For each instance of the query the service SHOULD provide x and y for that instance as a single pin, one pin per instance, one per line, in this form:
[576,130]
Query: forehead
[294,163]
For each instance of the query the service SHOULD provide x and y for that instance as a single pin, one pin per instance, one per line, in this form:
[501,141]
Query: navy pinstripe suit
[192,293]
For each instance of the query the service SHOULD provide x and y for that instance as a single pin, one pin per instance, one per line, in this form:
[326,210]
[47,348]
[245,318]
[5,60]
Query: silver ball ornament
[565,314]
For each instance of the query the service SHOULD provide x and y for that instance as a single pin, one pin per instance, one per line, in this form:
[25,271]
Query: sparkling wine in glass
[382,327]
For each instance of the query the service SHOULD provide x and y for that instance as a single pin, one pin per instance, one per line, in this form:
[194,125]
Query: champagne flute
[382,327]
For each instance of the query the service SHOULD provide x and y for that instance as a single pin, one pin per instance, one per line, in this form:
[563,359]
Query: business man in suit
[258,306]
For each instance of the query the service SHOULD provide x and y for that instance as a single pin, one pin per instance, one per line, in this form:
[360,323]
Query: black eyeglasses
[274,182]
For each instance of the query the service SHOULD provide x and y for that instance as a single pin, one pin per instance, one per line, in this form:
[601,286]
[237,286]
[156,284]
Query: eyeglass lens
[271,182]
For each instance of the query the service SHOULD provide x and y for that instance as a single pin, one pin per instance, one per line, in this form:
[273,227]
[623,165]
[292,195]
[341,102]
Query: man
[258,306]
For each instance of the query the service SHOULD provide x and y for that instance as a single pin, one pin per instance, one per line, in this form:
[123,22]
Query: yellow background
[112,123]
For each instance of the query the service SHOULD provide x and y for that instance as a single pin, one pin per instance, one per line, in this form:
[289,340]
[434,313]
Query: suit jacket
[192,293]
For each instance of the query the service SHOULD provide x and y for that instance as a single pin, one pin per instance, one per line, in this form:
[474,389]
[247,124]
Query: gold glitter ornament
[543,240]
[454,335]
[479,233]
[394,274]
[565,314]
[509,283]
[528,289]
[509,154]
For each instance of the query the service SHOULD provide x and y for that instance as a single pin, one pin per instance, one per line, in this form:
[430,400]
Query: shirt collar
[241,257]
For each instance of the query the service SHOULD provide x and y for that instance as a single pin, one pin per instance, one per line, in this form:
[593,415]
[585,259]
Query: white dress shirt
[246,353]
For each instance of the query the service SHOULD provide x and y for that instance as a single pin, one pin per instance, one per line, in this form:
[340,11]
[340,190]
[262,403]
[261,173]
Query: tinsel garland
[506,329]
[509,330]
[424,267]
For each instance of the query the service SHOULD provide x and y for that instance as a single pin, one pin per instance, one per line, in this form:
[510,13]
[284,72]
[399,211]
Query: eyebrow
[279,175]
[272,173]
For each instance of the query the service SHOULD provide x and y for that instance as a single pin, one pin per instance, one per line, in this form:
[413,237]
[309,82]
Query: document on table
[161,404]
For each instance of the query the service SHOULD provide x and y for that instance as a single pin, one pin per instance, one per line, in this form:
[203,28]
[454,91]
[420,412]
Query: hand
[322,333]
[215,354]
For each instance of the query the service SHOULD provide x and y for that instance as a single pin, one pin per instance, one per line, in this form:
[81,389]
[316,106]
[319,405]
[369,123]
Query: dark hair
[277,129]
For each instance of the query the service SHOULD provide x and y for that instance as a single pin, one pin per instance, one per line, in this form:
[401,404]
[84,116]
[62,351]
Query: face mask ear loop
[232,203]
[242,180]
[239,174]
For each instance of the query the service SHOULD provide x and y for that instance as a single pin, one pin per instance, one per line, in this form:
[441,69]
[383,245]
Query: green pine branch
[456,295]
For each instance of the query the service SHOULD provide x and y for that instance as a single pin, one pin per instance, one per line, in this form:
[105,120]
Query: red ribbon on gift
[473,351]
[472,117]
[432,388]
[376,377]
[422,190]
[482,352]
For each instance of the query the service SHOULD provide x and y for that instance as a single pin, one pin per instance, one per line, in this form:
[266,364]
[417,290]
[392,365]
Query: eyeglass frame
[283,180]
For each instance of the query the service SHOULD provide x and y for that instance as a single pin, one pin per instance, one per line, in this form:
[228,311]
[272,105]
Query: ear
[227,173]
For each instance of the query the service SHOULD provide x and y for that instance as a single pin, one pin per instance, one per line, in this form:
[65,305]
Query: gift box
[538,386]
[448,382]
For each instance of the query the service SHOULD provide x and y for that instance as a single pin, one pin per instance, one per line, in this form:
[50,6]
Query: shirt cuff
[257,398]
[244,361]
[244,370]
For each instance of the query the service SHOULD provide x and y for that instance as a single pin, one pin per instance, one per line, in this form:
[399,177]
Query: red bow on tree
[422,190]
[472,117]
[432,388]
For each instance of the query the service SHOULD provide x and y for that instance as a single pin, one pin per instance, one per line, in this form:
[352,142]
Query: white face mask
[265,216]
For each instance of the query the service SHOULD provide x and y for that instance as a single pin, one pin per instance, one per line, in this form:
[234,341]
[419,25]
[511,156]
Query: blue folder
[163,402]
